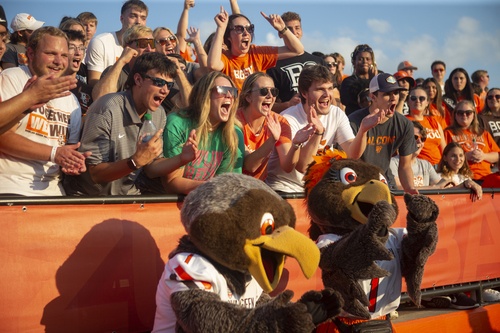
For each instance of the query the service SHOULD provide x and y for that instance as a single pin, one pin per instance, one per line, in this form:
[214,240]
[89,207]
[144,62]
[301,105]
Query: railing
[92,264]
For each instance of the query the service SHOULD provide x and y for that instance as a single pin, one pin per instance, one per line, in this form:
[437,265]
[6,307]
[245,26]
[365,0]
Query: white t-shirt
[186,270]
[103,51]
[56,123]
[337,130]
[389,288]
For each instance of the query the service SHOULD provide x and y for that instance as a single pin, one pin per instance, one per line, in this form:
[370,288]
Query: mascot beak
[360,199]
[267,255]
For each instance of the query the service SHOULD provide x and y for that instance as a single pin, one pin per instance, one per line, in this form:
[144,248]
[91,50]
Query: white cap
[25,21]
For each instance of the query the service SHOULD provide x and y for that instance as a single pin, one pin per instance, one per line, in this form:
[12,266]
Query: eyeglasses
[265,91]
[160,83]
[420,98]
[73,48]
[331,64]
[435,70]
[421,138]
[223,90]
[240,28]
[164,41]
[143,43]
[490,97]
[467,113]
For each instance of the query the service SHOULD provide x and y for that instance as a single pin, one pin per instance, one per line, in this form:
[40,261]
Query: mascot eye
[348,176]
[382,179]
[267,224]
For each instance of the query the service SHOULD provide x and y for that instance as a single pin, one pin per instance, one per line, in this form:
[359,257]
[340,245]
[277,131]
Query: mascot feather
[362,257]
[239,233]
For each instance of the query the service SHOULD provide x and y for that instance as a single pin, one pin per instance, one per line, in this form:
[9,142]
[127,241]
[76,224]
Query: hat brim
[389,89]
[36,25]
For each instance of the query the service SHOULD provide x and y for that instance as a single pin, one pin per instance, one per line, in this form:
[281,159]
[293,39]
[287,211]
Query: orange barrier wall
[95,267]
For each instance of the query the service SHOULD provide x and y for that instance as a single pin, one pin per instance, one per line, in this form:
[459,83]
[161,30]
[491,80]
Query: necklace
[256,133]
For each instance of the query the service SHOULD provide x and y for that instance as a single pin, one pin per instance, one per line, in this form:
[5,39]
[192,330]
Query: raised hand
[190,148]
[44,88]
[275,20]
[273,125]
[221,19]
[194,34]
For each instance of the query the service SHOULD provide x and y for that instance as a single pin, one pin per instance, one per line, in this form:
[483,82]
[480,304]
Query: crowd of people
[73,104]
[225,105]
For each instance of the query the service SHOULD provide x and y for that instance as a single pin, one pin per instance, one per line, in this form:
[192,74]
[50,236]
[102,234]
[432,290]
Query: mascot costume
[239,232]
[362,257]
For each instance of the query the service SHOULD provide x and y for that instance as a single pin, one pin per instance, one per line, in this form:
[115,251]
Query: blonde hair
[474,126]
[135,32]
[199,112]
[160,29]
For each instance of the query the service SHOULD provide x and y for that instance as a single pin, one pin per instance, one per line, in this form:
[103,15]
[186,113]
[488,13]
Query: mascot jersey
[383,293]
[187,270]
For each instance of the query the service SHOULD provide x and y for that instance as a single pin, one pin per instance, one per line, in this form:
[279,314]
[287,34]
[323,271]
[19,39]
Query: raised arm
[235,8]
[201,55]
[293,47]
[183,25]
[214,62]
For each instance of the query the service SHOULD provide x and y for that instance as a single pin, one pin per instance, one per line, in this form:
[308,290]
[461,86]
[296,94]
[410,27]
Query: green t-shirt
[212,160]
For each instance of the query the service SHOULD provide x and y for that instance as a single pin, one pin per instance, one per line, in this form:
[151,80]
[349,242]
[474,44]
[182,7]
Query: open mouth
[269,263]
[365,207]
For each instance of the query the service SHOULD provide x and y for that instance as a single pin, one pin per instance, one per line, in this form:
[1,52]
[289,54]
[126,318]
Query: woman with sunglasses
[418,103]
[333,66]
[480,149]
[458,87]
[212,113]
[489,118]
[242,58]
[437,107]
[264,129]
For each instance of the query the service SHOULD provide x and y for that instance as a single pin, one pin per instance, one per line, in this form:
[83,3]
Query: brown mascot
[362,257]
[239,232]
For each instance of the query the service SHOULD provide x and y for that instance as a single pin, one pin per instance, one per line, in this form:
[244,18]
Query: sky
[461,33]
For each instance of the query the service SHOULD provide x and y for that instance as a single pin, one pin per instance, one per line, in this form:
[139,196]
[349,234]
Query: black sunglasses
[160,83]
[240,28]
[223,90]
[331,64]
[490,97]
[265,91]
[422,138]
[420,98]
[464,112]
[143,43]
[164,41]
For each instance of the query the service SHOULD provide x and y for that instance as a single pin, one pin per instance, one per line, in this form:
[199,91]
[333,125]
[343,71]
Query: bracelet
[321,134]
[53,154]
[283,30]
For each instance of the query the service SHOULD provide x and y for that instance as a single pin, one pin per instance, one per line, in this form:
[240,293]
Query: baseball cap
[3,18]
[402,75]
[406,65]
[25,21]
[384,82]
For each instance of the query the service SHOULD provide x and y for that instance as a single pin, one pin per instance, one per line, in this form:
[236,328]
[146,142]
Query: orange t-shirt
[258,59]
[254,141]
[484,142]
[432,146]
[443,121]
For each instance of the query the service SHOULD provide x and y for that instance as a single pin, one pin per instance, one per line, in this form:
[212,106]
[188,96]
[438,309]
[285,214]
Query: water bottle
[148,129]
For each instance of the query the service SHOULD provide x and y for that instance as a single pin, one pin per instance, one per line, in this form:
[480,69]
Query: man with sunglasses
[392,133]
[137,40]
[111,133]
[286,72]
[105,48]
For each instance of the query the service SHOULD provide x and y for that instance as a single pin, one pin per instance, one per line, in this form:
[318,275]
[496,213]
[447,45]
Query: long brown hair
[445,169]
[474,126]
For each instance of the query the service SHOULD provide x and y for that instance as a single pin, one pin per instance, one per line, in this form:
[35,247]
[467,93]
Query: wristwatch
[131,164]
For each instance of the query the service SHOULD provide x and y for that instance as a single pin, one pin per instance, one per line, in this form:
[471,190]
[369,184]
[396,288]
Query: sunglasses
[143,43]
[223,90]
[160,83]
[421,138]
[467,113]
[265,91]
[420,98]
[490,97]
[240,28]
[331,64]
[363,48]
[164,41]
[438,70]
